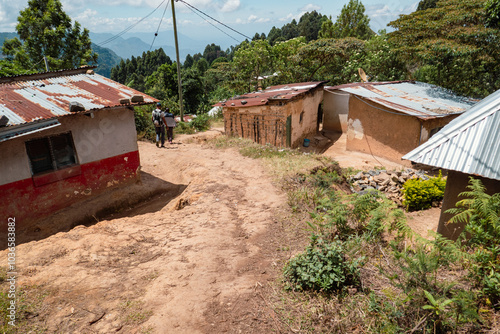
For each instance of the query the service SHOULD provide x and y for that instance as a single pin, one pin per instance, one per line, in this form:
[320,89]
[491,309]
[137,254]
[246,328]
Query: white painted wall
[109,133]
[335,110]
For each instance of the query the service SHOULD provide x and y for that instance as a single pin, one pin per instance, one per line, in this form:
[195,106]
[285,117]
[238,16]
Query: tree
[326,58]
[285,63]
[492,9]
[134,72]
[10,68]
[193,91]
[450,46]
[310,24]
[353,22]
[425,4]
[212,52]
[45,30]
[290,30]
[188,62]
[326,30]
[273,35]
[250,61]
[162,83]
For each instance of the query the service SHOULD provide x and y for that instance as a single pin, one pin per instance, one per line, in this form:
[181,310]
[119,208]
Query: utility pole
[178,63]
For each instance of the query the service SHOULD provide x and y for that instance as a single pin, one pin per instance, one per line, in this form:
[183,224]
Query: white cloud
[9,11]
[310,7]
[263,20]
[289,17]
[252,18]
[230,6]
[381,14]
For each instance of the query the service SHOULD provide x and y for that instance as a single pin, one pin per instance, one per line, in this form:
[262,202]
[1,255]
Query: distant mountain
[135,45]
[111,53]
[107,59]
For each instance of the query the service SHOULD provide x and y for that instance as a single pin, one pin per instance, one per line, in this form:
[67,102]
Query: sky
[245,17]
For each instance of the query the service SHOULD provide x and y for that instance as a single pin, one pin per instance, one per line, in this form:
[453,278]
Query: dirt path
[189,260]
[165,261]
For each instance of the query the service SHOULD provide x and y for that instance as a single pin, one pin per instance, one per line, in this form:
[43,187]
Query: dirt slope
[165,261]
[189,260]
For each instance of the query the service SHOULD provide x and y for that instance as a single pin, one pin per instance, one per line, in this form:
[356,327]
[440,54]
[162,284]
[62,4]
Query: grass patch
[279,162]
[134,312]
[29,300]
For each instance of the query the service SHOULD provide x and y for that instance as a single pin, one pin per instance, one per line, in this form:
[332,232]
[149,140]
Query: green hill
[107,58]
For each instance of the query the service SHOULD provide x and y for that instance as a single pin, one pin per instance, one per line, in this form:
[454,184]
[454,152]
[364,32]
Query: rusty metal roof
[413,98]
[469,144]
[38,97]
[283,93]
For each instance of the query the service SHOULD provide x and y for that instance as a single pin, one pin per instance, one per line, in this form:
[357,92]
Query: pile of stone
[389,182]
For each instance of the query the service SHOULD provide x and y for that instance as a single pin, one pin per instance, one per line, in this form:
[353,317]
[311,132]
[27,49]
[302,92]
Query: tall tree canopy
[451,46]
[310,24]
[213,52]
[425,4]
[492,9]
[353,22]
[326,30]
[45,30]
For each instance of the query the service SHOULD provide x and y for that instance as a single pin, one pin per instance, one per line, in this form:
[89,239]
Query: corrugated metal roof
[31,98]
[469,144]
[417,99]
[282,93]
[27,128]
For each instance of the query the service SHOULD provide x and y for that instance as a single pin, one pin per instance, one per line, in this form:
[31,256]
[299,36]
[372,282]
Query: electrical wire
[33,67]
[159,24]
[111,39]
[213,25]
[250,38]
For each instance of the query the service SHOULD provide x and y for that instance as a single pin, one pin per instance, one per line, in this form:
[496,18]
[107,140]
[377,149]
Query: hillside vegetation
[452,43]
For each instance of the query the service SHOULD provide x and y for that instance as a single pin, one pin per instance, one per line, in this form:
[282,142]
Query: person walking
[158,118]
[170,121]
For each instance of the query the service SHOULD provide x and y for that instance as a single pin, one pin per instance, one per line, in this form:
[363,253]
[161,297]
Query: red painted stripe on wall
[27,200]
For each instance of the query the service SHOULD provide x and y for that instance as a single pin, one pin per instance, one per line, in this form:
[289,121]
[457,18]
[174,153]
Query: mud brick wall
[262,128]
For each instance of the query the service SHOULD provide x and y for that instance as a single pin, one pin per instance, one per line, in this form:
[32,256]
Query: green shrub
[325,179]
[201,122]
[322,267]
[481,214]
[143,124]
[419,194]
[184,128]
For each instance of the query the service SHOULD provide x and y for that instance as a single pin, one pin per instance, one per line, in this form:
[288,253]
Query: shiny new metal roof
[283,93]
[33,98]
[417,99]
[469,144]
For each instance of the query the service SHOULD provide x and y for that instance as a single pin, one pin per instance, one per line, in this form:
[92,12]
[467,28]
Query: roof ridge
[45,75]
[474,115]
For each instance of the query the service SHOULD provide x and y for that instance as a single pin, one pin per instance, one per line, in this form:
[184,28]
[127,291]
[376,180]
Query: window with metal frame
[51,153]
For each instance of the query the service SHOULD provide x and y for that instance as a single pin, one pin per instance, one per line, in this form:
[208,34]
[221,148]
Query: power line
[213,25]
[159,24]
[250,38]
[111,39]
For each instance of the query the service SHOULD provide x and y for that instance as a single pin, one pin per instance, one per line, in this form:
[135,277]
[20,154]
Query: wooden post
[179,81]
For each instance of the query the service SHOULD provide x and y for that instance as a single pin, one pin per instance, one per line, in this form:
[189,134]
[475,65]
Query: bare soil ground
[196,257]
